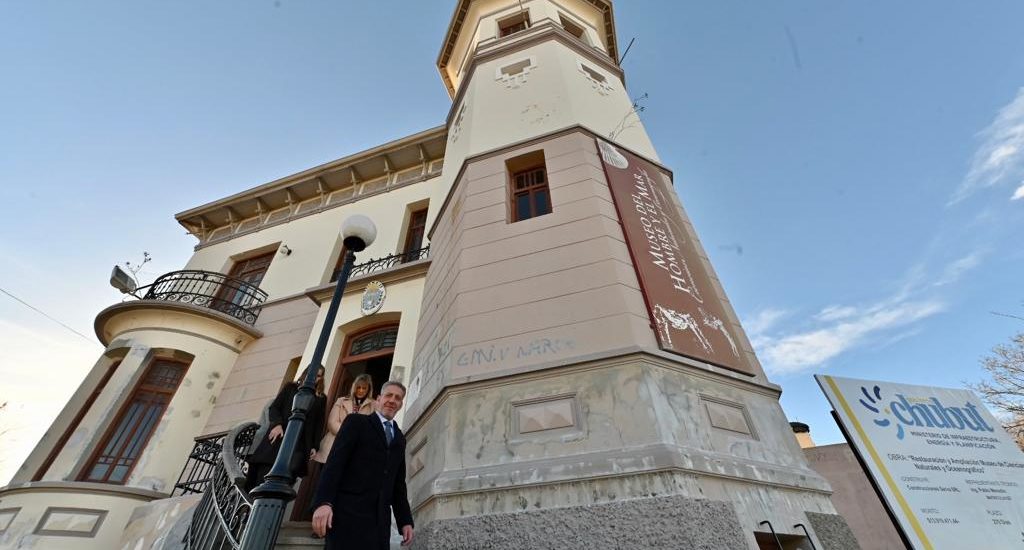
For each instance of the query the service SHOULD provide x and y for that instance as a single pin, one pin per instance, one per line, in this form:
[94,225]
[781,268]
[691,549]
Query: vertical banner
[689,318]
[949,473]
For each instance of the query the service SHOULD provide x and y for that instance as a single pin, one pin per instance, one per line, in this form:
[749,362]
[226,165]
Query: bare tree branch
[1005,388]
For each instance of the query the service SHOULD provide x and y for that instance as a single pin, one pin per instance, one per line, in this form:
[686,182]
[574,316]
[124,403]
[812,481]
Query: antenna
[631,40]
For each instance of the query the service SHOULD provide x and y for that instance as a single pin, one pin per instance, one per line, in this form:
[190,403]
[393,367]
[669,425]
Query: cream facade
[541,401]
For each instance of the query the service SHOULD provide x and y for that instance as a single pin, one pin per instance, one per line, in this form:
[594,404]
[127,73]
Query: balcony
[207,289]
[174,302]
[387,262]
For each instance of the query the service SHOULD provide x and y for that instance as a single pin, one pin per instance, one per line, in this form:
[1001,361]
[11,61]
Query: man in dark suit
[364,478]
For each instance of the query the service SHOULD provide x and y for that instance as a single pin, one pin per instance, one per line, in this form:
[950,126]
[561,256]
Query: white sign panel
[952,476]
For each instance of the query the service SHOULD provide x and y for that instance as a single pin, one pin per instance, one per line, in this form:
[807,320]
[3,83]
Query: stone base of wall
[832,531]
[645,523]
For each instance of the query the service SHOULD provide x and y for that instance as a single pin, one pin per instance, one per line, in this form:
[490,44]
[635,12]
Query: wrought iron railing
[201,463]
[219,519]
[387,262]
[215,291]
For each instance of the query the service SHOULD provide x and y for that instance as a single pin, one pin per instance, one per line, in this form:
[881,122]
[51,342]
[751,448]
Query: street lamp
[271,497]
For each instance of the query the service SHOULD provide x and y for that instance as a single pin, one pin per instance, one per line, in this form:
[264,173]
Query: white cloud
[956,269]
[1000,157]
[835,313]
[796,352]
[1018,194]
[839,328]
[763,321]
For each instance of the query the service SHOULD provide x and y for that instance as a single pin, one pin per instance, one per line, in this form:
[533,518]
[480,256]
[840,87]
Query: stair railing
[222,514]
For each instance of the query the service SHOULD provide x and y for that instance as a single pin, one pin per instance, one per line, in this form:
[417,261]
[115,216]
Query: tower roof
[458,19]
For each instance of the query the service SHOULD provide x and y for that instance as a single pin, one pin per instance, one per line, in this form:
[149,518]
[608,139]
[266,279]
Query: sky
[855,169]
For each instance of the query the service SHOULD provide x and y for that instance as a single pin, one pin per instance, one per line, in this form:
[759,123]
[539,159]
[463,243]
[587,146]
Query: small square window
[529,186]
[514,24]
[571,27]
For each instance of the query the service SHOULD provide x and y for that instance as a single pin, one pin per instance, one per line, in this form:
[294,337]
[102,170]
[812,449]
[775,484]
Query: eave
[401,162]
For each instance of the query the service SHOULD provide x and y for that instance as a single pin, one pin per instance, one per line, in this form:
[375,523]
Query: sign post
[949,474]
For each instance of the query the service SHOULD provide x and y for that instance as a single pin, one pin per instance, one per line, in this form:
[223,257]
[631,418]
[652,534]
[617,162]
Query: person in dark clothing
[363,481]
[262,458]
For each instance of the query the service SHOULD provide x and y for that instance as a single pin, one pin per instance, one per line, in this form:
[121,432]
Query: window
[571,27]
[514,24]
[375,341]
[414,236]
[253,269]
[529,186]
[59,445]
[118,452]
[249,271]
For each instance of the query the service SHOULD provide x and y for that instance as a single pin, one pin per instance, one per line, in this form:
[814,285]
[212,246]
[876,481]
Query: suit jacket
[363,480]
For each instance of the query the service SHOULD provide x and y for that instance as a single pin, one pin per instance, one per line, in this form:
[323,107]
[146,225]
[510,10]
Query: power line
[43,313]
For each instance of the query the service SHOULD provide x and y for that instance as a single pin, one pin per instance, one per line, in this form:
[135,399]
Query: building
[575,370]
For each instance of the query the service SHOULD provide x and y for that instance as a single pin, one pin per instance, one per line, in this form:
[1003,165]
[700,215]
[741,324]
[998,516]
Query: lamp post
[276,491]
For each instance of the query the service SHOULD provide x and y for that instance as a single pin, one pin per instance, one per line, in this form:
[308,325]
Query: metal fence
[215,291]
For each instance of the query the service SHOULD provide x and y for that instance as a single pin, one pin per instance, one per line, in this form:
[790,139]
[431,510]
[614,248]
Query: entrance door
[369,351]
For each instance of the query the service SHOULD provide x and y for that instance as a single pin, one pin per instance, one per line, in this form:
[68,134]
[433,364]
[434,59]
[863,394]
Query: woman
[261,459]
[360,401]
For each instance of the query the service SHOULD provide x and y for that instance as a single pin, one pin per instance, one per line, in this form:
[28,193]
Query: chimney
[803,434]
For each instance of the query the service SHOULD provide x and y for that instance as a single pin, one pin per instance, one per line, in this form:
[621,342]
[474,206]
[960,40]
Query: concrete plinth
[643,523]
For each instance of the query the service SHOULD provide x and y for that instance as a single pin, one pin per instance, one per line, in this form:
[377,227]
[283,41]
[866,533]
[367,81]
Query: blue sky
[850,167]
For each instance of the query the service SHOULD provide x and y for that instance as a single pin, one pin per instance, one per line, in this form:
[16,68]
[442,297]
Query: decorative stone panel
[515,74]
[7,516]
[726,415]
[550,413]
[416,456]
[70,522]
[597,79]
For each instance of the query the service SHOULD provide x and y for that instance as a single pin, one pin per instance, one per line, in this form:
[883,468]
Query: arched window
[119,450]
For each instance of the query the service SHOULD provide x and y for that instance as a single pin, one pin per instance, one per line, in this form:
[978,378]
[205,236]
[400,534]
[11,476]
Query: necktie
[389,432]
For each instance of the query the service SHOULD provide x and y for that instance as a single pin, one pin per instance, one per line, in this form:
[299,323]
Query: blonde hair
[361,379]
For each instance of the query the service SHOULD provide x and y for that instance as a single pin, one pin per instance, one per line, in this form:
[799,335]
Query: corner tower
[580,376]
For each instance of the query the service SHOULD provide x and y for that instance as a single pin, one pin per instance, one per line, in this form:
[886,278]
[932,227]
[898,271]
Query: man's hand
[323,519]
[406,534]
[277,432]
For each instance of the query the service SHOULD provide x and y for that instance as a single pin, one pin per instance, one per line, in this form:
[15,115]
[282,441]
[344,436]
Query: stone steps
[297,535]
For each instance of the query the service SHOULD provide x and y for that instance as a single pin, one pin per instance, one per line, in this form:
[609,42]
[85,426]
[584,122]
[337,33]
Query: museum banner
[949,473]
[689,319]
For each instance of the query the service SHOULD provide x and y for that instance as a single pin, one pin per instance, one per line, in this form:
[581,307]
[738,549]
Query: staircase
[296,535]
[219,520]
